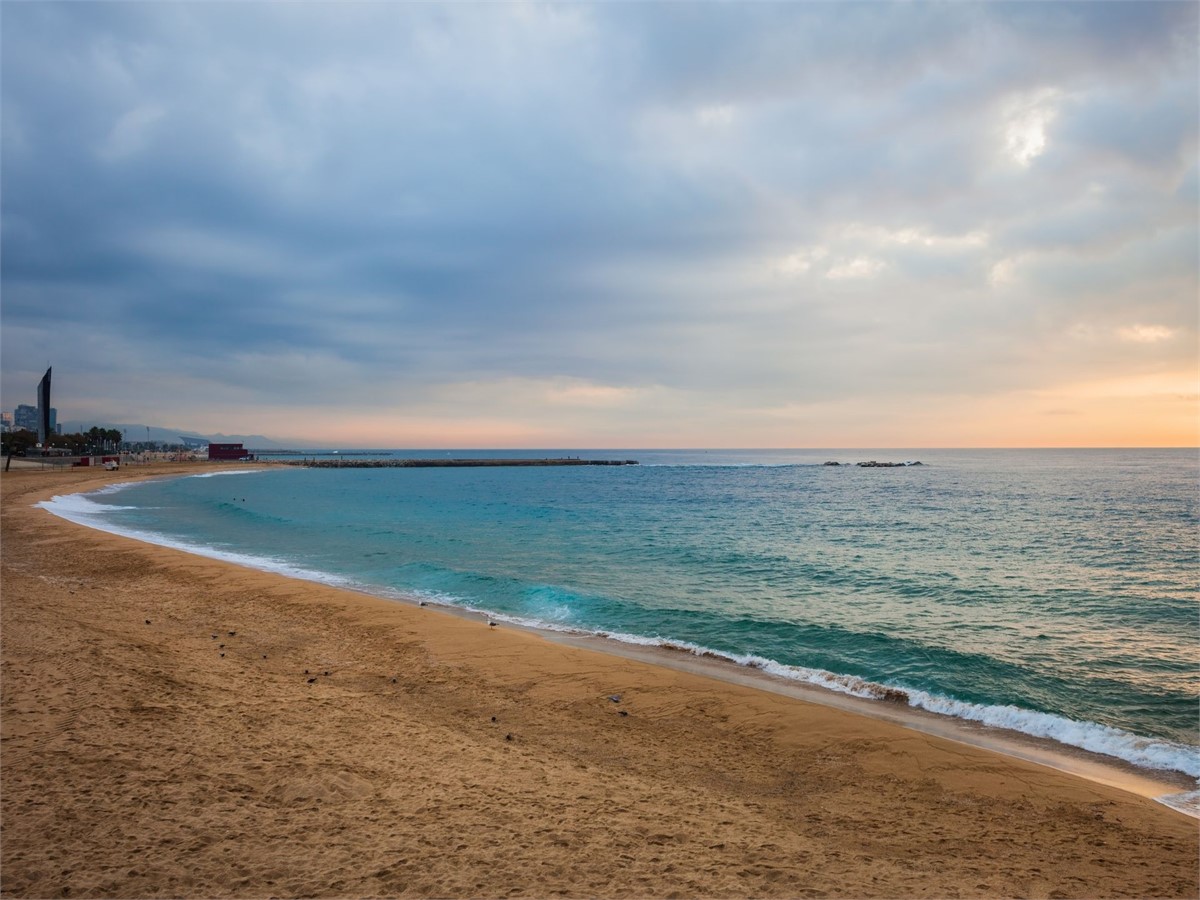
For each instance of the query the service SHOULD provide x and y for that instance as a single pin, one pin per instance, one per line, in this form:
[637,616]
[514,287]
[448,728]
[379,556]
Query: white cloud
[1145,334]
[801,261]
[858,267]
[1026,118]
[1003,273]
[916,237]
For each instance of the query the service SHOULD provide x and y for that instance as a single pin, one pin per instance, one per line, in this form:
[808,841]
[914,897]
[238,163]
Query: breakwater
[450,463]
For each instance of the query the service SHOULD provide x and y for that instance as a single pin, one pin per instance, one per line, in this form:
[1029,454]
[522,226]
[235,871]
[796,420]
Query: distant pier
[450,463]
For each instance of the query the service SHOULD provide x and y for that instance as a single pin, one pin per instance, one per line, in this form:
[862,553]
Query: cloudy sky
[617,225]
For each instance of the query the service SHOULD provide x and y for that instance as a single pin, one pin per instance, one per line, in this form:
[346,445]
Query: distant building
[6,422]
[25,417]
[227,452]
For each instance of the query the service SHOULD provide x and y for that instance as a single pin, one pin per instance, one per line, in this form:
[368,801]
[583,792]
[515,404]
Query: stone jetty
[450,463]
[872,464]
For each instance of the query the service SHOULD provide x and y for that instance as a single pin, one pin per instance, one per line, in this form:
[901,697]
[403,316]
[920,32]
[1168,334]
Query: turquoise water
[1050,591]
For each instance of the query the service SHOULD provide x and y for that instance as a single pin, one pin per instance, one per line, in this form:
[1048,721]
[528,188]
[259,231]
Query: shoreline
[1176,789]
[394,759]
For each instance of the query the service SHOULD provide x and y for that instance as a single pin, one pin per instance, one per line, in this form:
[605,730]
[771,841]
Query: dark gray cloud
[713,208]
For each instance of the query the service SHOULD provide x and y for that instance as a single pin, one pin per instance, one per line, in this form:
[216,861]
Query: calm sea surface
[1050,591]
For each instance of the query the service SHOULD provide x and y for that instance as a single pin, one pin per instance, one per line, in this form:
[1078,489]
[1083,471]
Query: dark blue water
[1050,591]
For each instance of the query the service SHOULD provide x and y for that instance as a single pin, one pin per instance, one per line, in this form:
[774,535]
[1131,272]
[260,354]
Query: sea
[1050,592]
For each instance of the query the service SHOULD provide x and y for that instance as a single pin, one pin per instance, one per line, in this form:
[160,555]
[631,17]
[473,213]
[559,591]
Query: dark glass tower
[44,430]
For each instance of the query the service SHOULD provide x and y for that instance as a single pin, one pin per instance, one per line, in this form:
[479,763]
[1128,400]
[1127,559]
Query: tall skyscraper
[44,428]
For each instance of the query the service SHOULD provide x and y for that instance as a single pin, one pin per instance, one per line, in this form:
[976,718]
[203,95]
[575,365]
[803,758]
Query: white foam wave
[1187,803]
[1149,753]
[229,472]
[80,509]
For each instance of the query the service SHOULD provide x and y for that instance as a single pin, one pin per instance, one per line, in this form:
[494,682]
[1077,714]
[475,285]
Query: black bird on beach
[311,680]
[147,621]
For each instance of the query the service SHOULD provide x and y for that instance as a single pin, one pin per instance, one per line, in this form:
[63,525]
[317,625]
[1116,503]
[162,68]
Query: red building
[227,452]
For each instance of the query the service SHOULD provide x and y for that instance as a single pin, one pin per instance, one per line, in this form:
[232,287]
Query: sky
[606,225]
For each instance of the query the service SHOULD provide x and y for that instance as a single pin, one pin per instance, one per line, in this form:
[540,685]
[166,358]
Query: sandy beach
[178,726]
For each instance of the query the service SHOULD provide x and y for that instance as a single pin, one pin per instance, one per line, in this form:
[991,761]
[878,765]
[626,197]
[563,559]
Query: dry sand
[441,757]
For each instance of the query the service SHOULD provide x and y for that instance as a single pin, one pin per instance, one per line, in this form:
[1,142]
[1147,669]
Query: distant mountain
[160,434]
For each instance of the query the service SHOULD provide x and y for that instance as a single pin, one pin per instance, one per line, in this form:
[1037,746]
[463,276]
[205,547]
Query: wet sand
[443,757]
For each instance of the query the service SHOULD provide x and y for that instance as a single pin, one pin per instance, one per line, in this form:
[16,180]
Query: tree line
[93,442]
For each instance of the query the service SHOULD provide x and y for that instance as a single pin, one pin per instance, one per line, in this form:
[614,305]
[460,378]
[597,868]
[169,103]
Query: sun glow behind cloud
[1026,119]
